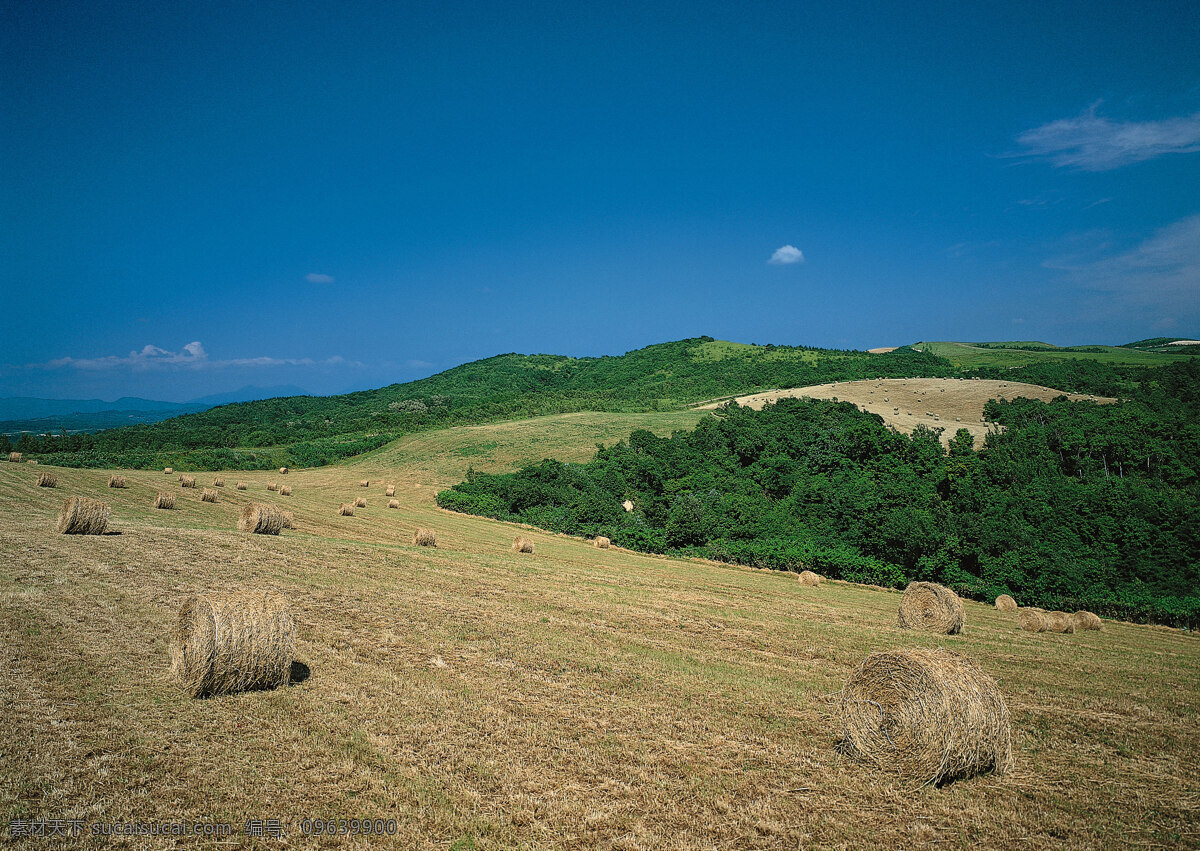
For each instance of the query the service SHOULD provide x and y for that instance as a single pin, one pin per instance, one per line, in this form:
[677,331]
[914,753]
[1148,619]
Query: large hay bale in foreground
[522,545]
[346,510]
[933,607]
[117,482]
[1059,622]
[1087,620]
[165,501]
[82,515]
[1006,603]
[809,579]
[186,481]
[602,542]
[360,502]
[1031,620]
[425,538]
[15,457]
[241,486]
[926,714]
[208,495]
[261,518]
[47,480]
[391,490]
[393,503]
[285,490]
[229,643]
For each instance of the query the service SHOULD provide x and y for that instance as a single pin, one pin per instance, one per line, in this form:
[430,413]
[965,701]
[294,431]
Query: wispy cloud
[318,278]
[1090,142]
[190,357]
[786,255]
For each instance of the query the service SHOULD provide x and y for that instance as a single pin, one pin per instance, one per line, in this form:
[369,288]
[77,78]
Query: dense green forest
[1071,505]
[306,431]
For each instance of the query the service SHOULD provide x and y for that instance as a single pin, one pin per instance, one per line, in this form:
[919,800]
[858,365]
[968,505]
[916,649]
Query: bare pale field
[904,403]
[572,698]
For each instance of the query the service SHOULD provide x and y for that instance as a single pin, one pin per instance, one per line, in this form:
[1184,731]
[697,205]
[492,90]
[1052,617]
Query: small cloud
[1018,320]
[786,255]
[1091,143]
[318,278]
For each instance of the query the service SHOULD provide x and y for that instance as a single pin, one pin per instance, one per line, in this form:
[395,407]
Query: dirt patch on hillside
[946,403]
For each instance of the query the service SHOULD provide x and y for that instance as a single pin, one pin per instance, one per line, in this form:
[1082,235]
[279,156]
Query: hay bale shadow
[299,673]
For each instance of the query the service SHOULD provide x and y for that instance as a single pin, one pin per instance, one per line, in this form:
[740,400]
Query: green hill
[1005,355]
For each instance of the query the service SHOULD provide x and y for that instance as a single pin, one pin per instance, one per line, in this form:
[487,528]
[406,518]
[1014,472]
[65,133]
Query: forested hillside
[1072,505]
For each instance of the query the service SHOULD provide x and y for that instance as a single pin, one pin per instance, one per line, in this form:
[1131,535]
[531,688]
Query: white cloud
[1092,143]
[786,255]
[318,278]
[192,356]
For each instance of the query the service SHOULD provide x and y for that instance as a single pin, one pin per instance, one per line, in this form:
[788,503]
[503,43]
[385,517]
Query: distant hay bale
[165,501]
[272,486]
[627,505]
[360,502]
[47,480]
[230,643]
[1059,622]
[283,471]
[289,519]
[425,538]
[187,481]
[241,486]
[522,545]
[926,714]
[1031,620]
[809,579]
[365,483]
[1085,620]
[391,490]
[15,457]
[285,490]
[260,518]
[929,606]
[117,482]
[602,542]
[346,510]
[1006,603]
[393,503]
[31,461]
[168,470]
[218,483]
[208,495]
[82,515]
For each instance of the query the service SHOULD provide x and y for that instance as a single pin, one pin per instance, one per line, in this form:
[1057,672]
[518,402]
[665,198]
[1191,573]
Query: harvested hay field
[580,698]
[83,515]
[904,403]
[224,644]
[808,579]
[929,715]
[931,607]
[261,518]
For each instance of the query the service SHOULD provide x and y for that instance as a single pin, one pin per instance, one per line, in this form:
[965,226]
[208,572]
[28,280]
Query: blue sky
[195,197]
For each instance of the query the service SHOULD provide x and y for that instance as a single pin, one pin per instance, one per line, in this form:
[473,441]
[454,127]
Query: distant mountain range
[27,413]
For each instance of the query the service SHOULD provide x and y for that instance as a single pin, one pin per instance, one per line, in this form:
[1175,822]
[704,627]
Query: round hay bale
[165,501]
[425,538]
[260,518]
[289,519]
[933,607]
[360,502]
[285,490]
[809,579]
[14,457]
[208,495]
[1087,620]
[242,486]
[168,470]
[225,644]
[1006,603]
[391,490]
[82,515]
[283,471]
[218,483]
[926,714]
[365,483]
[1059,622]
[522,545]
[47,480]
[393,503]
[346,510]
[272,486]
[186,481]
[117,482]
[602,542]
[1031,620]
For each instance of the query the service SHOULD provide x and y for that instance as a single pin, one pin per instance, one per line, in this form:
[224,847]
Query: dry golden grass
[574,700]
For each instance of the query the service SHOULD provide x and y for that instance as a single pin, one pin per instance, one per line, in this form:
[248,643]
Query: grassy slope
[971,356]
[573,698]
